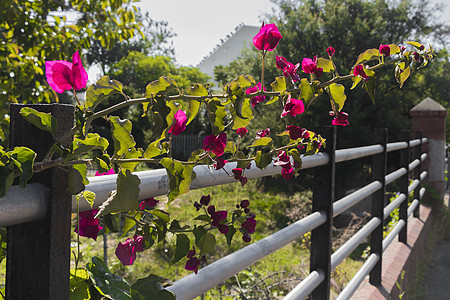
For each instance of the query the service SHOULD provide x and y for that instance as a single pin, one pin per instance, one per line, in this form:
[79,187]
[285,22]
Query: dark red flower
[249,225]
[218,216]
[215,144]
[88,226]
[385,50]
[416,56]
[126,252]
[267,38]
[291,71]
[243,180]
[223,228]
[262,133]
[287,173]
[330,51]
[340,119]
[296,132]
[241,131]
[281,62]
[219,163]
[204,200]
[422,47]
[148,203]
[245,203]
[237,173]
[359,71]
[192,264]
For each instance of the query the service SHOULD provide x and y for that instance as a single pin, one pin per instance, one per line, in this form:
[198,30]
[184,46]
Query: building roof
[428,104]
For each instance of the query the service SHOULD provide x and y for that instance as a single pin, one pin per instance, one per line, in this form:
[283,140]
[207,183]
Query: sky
[200,24]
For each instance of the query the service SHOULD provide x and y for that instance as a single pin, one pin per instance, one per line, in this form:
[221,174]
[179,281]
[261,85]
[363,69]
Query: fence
[20,206]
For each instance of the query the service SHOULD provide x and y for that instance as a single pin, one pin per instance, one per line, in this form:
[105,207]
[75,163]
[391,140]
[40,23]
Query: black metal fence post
[405,158]
[323,198]
[38,253]
[378,203]
[417,171]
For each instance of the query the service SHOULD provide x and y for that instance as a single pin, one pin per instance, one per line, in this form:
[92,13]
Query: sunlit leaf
[262,160]
[98,91]
[325,64]
[367,55]
[25,157]
[264,141]
[43,121]
[337,94]
[121,134]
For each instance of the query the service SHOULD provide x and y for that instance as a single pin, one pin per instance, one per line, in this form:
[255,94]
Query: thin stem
[262,70]
[76,97]
[134,219]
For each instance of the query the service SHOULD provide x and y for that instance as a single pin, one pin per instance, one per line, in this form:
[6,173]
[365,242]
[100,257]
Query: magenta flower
[247,228]
[340,119]
[416,56]
[422,47]
[193,262]
[110,172]
[215,144]
[63,75]
[310,66]
[287,173]
[294,132]
[281,62]
[330,51]
[257,99]
[216,216]
[293,107]
[88,226]
[284,161]
[262,133]
[148,203]
[179,124]
[385,50]
[241,131]
[267,38]
[126,252]
[291,71]
[359,71]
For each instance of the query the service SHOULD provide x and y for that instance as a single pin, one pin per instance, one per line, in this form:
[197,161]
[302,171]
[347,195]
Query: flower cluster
[238,175]
[257,99]
[289,69]
[248,228]
[310,66]
[215,144]
[284,161]
[194,262]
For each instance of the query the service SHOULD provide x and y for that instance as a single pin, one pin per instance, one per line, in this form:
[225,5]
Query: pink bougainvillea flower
[281,62]
[291,71]
[310,66]
[293,107]
[294,132]
[126,252]
[244,203]
[287,173]
[204,200]
[267,38]
[359,71]
[223,228]
[402,48]
[330,51]
[88,225]
[63,75]
[422,47]
[243,180]
[179,124]
[193,262]
[284,161]
[241,131]
[385,50]
[257,99]
[148,203]
[110,172]
[340,119]
[215,144]
[416,56]
[219,163]
[262,133]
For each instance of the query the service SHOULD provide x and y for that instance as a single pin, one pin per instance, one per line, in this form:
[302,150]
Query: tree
[32,32]
[309,27]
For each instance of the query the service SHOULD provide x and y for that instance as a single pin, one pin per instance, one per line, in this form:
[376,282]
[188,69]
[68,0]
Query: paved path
[438,275]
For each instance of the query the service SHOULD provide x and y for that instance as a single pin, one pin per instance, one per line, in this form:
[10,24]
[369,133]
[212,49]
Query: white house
[229,49]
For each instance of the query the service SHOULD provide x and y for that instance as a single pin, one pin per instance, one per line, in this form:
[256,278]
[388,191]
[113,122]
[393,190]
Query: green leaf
[126,195]
[150,235]
[262,160]
[25,157]
[242,114]
[182,247]
[216,114]
[43,121]
[199,232]
[239,85]
[160,111]
[91,142]
[131,154]
[112,222]
[164,216]
[79,288]
[264,141]
[151,288]
[356,80]
[402,75]
[394,49]
[103,163]
[89,197]
[180,177]
[77,179]
[194,105]
[161,86]
[107,283]
[325,64]
[279,85]
[154,149]
[2,243]
[370,86]
[121,134]
[230,147]
[207,243]
[368,55]
[128,223]
[306,91]
[98,91]
[415,44]
[295,154]
[229,235]
[203,217]
[337,94]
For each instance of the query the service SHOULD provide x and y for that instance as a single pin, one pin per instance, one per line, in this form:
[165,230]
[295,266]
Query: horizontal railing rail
[24,205]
